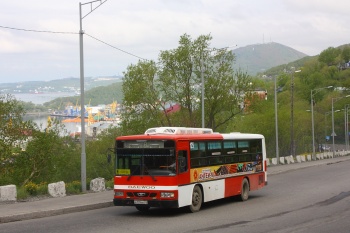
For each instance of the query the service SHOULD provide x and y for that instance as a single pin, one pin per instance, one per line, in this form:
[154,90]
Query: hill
[254,59]
[297,63]
[70,85]
[103,90]
[95,96]
[258,58]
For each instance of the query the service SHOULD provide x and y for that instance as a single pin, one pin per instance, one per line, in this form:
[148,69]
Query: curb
[282,168]
[47,213]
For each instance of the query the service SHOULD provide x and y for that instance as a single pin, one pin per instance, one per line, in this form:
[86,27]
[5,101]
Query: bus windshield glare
[145,161]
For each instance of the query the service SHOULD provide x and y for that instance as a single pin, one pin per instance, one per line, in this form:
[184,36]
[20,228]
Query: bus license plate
[139,202]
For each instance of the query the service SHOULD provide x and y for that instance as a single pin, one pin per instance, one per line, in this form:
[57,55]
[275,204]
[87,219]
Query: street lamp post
[292,117]
[292,144]
[82,105]
[346,128]
[202,80]
[325,123]
[325,129]
[333,133]
[276,122]
[312,119]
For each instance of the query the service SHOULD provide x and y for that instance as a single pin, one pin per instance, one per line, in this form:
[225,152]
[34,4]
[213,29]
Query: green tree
[97,150]
[13,131]
[46,157]
[142,100]
[329,56]
[346,54]
[150,89]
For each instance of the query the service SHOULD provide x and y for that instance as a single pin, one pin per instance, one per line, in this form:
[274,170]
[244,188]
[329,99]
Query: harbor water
[71,125]
[42,119]
[42,122]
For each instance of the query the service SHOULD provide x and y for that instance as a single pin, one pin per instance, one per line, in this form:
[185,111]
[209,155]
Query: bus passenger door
[183,162]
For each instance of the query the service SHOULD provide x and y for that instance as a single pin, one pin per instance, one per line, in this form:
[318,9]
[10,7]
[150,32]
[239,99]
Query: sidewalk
[54,206]
[18,211]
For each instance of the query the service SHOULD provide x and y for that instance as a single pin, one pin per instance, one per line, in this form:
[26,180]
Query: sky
[39,39]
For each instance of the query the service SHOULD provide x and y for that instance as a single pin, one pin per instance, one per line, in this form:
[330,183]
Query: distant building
[173,108]
[253,96]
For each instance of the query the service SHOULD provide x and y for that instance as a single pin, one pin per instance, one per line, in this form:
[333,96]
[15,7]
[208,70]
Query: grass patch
[73,187]
[42,189]
[22,193]
[110,184]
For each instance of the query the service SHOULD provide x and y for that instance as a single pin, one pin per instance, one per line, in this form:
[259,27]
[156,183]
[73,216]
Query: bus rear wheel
[197,199]
[244,190]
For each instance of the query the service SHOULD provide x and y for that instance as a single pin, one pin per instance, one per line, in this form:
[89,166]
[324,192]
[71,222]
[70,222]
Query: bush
[31,188]
[42,189]
[22,193]
[73,187]
[110,184]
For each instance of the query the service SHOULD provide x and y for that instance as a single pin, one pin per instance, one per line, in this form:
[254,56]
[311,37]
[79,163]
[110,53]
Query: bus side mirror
[109,158]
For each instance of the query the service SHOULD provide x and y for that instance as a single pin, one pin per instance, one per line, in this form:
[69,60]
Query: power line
[31,30]
[75,33]
[115,47]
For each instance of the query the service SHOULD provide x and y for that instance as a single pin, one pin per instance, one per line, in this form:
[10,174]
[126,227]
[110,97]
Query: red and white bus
[172,167]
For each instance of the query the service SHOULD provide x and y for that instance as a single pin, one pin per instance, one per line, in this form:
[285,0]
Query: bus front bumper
[150,203]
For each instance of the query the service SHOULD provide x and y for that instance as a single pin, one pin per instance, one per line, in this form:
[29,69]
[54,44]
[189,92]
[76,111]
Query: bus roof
[183,133]
[178,130]
[242,136]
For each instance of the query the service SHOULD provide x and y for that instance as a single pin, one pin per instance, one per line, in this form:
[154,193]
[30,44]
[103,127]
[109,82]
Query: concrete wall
[58,189]
[8,193]
[97,185]
[305,158]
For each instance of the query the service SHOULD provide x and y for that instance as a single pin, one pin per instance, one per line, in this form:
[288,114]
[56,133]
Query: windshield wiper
[145,169]
[133,172]
[153,178]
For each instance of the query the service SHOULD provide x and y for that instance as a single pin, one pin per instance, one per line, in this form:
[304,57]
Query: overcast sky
[143,28]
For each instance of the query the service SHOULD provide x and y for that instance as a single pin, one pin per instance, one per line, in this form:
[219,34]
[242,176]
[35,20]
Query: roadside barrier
[8,193]
[305,158]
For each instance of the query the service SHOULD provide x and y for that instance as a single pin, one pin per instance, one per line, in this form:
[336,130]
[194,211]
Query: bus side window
[182,161]
[195,158]
[230,151]
[255,146]
[243,147]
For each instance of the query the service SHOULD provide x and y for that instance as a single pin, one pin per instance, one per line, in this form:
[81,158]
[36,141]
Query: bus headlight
[167,195]
[118,193]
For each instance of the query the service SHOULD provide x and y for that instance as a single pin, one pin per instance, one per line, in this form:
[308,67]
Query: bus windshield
[145,161]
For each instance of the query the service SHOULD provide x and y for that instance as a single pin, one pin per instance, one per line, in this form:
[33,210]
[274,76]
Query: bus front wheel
[244,190]
[142,208]
[197,199]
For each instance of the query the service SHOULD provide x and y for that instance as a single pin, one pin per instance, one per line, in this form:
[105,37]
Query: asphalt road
[313,199]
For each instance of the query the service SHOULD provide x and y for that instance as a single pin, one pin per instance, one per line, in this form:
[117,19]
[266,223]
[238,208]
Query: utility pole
[82,105]
[292,116]
[276,122]
[312,119]
[292,142]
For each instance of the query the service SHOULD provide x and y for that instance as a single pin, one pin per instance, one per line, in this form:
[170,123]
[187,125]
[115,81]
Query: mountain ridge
[253,59]
[257,58]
